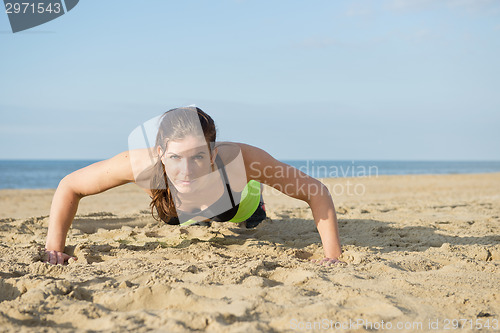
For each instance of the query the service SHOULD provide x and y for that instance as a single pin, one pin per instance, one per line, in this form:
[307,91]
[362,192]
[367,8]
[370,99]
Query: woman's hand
[328,261]
[93,179]
[56,257]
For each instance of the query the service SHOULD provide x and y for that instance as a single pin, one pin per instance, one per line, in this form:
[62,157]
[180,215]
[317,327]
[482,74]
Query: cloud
[470,6]
[411,5]
[359,9]
[327,42]
[422,35]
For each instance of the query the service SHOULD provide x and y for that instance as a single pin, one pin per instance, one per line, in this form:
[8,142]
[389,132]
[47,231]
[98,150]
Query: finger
[68,257]
[52,257]
[326,263]
[331,261]
[337,262]
[318,261]
[60,258]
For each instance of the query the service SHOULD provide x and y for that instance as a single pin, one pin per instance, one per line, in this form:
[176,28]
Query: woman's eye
[174,157]
[198,157]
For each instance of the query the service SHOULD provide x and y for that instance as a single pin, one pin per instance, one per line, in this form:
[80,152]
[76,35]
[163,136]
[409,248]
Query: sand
[421,251]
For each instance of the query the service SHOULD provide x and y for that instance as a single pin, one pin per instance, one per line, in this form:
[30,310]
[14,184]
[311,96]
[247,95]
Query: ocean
[40,174]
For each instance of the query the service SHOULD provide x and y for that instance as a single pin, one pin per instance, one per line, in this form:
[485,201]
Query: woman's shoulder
[254,159]
[229,150]
[252,153]
[243,147]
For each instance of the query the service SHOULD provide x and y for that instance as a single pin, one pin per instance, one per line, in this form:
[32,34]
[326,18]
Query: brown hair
[175,124]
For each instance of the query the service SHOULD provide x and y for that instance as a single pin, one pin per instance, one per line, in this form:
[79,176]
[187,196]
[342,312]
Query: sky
[319,79]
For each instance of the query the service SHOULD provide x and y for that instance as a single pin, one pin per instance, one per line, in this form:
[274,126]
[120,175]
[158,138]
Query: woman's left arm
[261,166]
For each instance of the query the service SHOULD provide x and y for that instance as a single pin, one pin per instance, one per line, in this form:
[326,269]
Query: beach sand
[418,249]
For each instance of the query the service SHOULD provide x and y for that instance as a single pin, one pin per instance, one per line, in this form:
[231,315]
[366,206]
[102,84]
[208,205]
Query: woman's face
[186,161]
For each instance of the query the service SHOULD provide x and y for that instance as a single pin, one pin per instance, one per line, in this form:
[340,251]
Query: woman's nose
[186,167]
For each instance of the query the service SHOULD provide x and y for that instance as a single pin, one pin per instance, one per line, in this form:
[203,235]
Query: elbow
[318,192]
[65,185]
[63,182]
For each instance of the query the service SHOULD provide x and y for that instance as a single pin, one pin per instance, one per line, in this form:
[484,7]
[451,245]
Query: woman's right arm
[93,179]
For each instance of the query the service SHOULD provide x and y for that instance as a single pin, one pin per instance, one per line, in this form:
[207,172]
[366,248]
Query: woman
[192,179]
